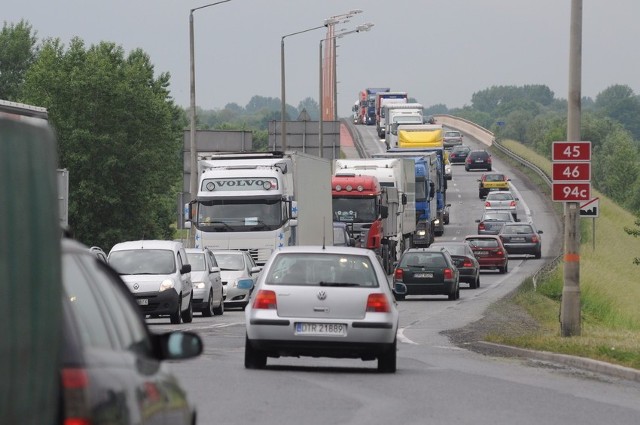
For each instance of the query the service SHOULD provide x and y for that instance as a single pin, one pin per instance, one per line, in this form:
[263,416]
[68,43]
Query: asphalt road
[436,382]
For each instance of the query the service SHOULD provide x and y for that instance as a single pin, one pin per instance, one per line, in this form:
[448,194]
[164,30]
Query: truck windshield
[240,215]
[421,189]
[354,210]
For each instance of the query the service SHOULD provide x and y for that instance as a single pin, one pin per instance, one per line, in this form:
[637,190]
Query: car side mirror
[186,268]
[255,269]
[179,345]
[214,270]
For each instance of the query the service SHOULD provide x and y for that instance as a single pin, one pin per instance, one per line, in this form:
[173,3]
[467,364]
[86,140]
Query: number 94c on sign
[571,192]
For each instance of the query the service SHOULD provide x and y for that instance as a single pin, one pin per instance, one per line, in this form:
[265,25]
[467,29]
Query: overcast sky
[439,51]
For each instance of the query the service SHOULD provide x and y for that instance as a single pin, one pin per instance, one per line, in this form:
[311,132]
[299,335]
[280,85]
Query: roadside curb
[574,361]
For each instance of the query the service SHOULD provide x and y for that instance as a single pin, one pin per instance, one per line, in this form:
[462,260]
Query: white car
[238,271]
[502,200]
[158,274]
[208,297]
[322,302]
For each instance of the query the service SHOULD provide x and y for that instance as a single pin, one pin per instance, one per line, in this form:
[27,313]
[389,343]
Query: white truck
[398,173]
[400,114]
[37,114]
[262,201]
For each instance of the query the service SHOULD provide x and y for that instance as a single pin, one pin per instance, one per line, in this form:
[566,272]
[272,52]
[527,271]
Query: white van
[158,274]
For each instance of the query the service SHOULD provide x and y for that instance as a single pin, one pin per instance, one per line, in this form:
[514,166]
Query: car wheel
[478,281]
[489,169]
[208,310]
[387,361]
[253,359]
[219,311]
[187,315]
[453,295]
[474,283]
[466,168]
[504,269]
[399,297]
[538,254]
[175,317]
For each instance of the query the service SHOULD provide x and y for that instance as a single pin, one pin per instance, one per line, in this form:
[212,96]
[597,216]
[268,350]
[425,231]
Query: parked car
[238,271]
[464,260]
[158,274]
[341,235]
[502,201]
[322,302]
[458,154]
[452,138]
[521,238]
[428,271]
[112,366]
[489,251]
[492,181]
[491,222]
[208,295]
[478,160]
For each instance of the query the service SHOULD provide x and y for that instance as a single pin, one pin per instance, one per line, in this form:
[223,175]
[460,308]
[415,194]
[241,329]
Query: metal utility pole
[193,180]
[570,309]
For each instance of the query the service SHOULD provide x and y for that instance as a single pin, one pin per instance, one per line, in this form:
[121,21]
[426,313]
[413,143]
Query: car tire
[489,169]
[253,359]
[387,362]
[452,295]
[475,283]
[207,311]
[399,297]
[504,269]
[219,311]
[187,315]
[176,317]
[538,255]
[466,168]
[478,281]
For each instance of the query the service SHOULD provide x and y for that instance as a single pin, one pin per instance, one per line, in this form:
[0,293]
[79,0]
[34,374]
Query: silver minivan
[158,274]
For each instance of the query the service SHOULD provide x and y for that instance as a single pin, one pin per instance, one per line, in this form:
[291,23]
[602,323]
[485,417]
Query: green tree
[620,103]
[119,134]
[17,53]
[311,106]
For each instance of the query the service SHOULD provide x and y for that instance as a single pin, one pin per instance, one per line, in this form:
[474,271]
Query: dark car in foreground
[428,271]
[478,160]
[489,251]
[464,260]
[521,239]
[113,368]
[317,301]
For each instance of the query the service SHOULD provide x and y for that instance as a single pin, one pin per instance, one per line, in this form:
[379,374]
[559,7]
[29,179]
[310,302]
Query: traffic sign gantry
[571,151]
[571,171]
[571,191]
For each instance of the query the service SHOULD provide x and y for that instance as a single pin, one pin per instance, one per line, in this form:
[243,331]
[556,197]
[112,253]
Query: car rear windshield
[312,269]
[197,261]
[230,261]
[143,261]
[483,243]
[522,230]
[453,249]
[499,196]
[423,259]
[494,177]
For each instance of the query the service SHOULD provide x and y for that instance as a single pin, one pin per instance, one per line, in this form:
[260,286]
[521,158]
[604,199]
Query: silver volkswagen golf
[322,302]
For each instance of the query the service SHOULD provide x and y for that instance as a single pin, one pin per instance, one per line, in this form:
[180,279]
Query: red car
[489,251]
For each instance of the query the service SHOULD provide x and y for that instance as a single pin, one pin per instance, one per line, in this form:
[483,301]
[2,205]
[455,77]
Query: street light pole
[193,180]
[359,28]
[327,22]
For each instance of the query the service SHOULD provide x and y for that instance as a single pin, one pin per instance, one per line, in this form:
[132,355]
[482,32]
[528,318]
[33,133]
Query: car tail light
[481,226]
[378,303]
[74,385]
[534,239]
[487,204]
[265,299]
[512,203]
[467,263]
[398,275]
[448,273]
[489,160]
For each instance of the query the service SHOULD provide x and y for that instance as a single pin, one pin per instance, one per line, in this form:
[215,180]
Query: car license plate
[517,239]
[479,160]
[482,253]
[143,301]
[423,275]
[324,329]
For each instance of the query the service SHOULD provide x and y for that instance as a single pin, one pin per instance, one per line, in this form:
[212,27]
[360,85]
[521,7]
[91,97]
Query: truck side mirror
[384,211]
[293,211]
[404,199]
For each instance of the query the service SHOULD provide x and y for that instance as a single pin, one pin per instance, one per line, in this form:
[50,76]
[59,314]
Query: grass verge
[609,290]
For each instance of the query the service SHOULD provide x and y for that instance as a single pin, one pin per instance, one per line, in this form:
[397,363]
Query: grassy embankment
[609,285]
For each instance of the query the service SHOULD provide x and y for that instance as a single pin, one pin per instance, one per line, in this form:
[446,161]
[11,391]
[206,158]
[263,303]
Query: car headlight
[166,284]
[198,285]
[243,284]
[437,221]
[422,232]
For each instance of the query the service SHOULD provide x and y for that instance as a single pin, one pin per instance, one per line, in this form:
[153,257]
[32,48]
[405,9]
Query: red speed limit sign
[571,171]
[571,151]
[571,192]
